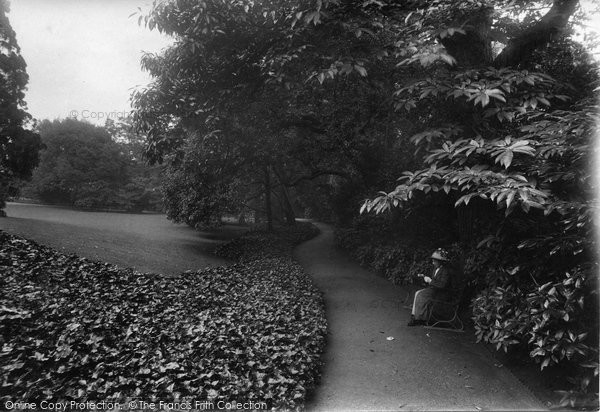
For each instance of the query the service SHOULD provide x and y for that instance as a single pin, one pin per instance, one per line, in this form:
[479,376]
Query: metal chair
[445,313]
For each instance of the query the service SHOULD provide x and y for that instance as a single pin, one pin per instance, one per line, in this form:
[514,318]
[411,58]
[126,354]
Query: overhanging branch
[546,29]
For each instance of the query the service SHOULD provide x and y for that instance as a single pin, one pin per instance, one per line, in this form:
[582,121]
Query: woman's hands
[427,279]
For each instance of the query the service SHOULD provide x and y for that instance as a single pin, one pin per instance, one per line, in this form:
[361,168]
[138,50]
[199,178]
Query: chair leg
[444,329]
[460,327]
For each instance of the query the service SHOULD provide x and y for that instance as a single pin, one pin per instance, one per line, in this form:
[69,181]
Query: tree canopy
[90,166]
[80,164]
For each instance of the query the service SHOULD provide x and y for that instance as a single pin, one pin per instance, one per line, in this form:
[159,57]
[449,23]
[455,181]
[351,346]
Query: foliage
[399,258]
[551,319]
[19,145]
[258,243]
[75,329]
[479,167]
[81,165]
[210,147]
[398,263]
[259,105]
[312,61]
[85,166]
[143,191]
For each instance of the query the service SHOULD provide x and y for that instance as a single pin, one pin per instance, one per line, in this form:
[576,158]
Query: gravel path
[146,242]
[419,369]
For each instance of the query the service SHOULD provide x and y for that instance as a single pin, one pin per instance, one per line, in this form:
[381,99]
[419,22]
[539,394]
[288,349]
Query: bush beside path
[373,361]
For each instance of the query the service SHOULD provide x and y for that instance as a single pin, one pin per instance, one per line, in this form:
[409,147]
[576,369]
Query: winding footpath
[419,369]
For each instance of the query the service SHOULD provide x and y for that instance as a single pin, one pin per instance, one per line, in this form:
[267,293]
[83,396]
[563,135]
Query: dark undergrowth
[258,243]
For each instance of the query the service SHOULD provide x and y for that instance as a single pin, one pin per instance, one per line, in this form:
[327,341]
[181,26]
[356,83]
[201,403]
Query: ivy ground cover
[73,329]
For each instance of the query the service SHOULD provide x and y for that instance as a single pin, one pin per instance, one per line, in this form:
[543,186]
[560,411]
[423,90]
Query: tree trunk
[268,209]
[474,48]
[288,210]
[546,29]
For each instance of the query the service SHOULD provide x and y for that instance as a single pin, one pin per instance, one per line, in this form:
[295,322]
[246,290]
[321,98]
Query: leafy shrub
[400,261]
[551,319]
[76,329]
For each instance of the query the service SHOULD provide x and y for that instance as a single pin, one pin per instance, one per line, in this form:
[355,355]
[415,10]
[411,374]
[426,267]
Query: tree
[81,165]
[19,145]
[251,92]
[220,123]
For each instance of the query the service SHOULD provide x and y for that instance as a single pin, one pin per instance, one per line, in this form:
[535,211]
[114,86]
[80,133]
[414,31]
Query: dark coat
[441,283]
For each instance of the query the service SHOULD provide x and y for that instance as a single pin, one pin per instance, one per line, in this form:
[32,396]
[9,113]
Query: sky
[83,56]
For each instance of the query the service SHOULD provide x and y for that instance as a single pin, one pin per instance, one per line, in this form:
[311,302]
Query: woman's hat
[440,254]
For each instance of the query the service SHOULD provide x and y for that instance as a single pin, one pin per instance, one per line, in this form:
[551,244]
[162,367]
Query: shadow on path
[419,369]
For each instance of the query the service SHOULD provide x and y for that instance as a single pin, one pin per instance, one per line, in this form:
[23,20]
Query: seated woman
[439,287]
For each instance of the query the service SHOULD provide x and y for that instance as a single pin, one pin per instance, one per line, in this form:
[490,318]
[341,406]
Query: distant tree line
[94,167]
